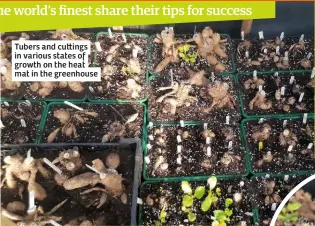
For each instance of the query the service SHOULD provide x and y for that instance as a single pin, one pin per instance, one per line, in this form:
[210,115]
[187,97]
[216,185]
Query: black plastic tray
[133,144]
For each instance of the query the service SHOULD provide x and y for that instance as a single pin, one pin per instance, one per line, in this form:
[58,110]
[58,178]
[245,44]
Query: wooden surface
[246,26]
[6,222]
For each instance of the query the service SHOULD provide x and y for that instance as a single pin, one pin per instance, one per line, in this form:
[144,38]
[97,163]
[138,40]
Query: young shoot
[127,71]
[289,213]
[221,217]
[162,217]
[186,55]
[212,196]
[188,198]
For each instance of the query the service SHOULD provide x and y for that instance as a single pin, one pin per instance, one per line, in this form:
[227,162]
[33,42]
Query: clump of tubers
[169,49]
[261,132]
[253,83]
[116,129]
[287,137]
[69,121]
[210,46]
[178,96]
[219,93]
[64,34]
[197,78]
[260,101]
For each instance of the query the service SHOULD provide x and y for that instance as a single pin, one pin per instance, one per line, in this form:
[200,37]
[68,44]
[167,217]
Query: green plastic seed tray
[195,111]
[27,133]
[230,60]
[193,163]
[171,190]
[93,97]
[283,89]
[289,179]
[271,156]
[100,121]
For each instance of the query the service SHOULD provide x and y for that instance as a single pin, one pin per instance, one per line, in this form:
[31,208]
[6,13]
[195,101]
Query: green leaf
[192,60]
[180,48]
[220,215]
[186,47]
[214,198]
[294,219]
[186,59]
[228,202]
[186,188]
[212,181]
[188,200]
[215,223]
[206,204]
[294,206]
[218,191]
[281,217]
[158,223]
[199,192]
[228,212]
[182,55]
[162,214]
[191,217]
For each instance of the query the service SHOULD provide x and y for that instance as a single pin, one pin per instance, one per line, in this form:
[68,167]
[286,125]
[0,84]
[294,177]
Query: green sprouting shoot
[289,213]
[127,71]
[186,55]
[162,217]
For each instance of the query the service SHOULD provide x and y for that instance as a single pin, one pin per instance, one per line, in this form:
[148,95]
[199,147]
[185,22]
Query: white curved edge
[286,199]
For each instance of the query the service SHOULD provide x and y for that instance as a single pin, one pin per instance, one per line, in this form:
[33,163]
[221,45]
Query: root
[93,189]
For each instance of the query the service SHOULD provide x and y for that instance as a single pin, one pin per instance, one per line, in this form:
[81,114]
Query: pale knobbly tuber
[81,180]
[261,132]
[220,96]
[112,160]
[40,193]
[260,101]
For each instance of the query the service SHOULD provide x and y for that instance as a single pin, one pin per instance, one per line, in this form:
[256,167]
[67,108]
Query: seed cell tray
[111,119]
[264,51]
[116,212]
[155,194]
[21,121]
[200,64]
[189,109]
[116,76]
[286,93]
[176,151]
[279,144]
[262,202]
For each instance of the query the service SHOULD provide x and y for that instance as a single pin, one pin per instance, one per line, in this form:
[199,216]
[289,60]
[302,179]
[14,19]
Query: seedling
[289,213]
[186,55]
[128,71]
[162,217]
[188,198]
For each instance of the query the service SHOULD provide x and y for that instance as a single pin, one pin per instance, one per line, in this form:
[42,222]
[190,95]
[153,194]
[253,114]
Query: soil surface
[282,188]
[274,84]
[173,194]
[196,160]
[94,129]
[12,113]
[178,68]
[114,83]
[113,212]
[256,50]
[24,90]
[283,160]
[193,111]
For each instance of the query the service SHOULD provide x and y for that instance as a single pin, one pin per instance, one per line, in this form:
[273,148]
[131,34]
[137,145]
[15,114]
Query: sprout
[186,188]
[212,181]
